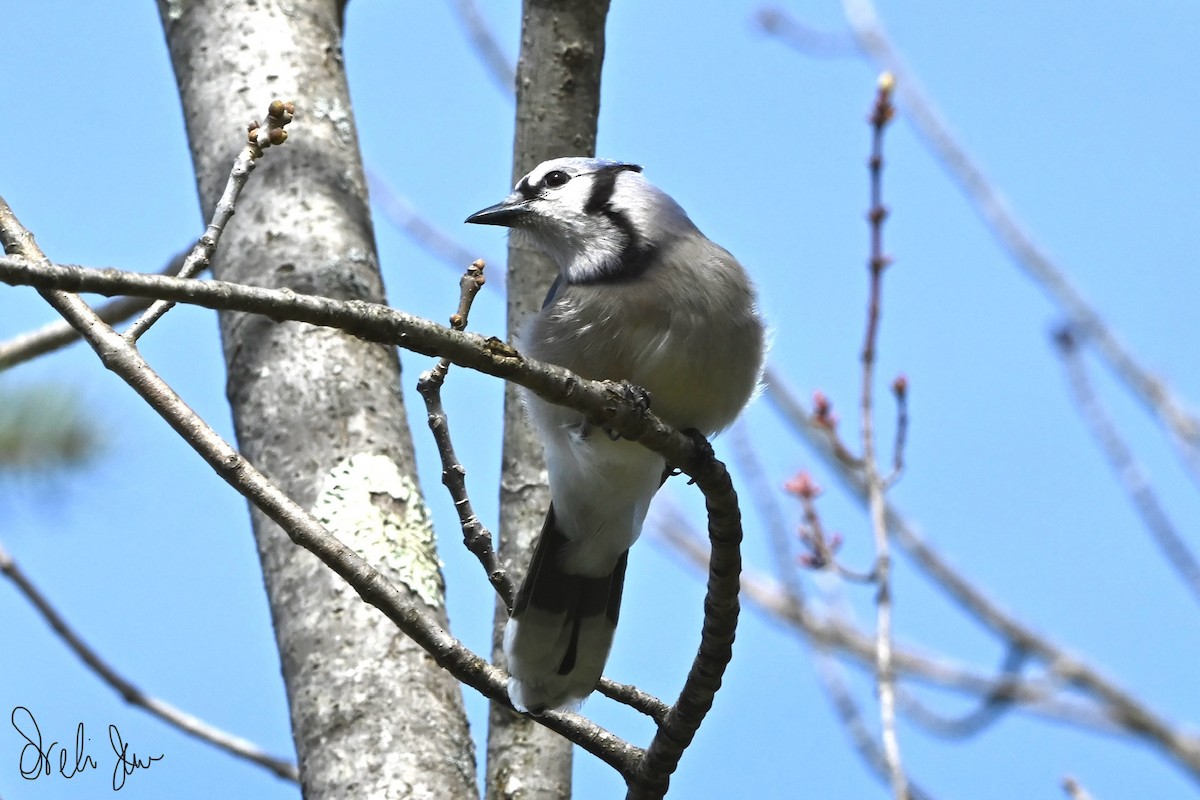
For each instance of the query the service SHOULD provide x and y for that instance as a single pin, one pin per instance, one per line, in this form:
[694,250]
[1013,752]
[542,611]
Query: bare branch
[805,38]
[279,114]
[397,210]
[852,720]
[885,679]
[476,537]
[59,333]
[186,264]
[635,698]
[234,745]
[604,402]
[1075,790]
[1129,472]
[990,710]
[489,50]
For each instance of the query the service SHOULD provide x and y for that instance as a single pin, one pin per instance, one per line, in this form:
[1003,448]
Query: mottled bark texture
[558,102]
[318,410]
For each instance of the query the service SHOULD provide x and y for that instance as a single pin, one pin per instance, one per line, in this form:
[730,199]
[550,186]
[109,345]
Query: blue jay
[641,296]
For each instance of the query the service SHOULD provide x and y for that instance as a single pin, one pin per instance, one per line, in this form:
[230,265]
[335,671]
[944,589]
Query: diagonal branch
[603,402]
[59,333]
[130,693]
[1129,473]
[486,46]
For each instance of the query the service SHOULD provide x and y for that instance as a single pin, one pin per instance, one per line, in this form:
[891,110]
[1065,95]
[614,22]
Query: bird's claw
[631,395]
[704,448]
[636,396]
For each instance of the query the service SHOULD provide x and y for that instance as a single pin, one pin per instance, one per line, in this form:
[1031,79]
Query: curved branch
[1129,473]
[721,609]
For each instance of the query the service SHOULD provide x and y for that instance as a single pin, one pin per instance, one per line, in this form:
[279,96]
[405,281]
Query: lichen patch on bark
[370,505]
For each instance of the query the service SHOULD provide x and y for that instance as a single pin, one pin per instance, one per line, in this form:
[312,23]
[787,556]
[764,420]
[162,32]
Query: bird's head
[597,219]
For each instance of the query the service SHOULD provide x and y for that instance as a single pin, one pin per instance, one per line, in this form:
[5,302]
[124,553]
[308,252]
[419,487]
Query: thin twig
[992,707]
[130,693]
[476,537]
[885,680]
[279,114]
[635,698]
[852,720]
[486,46]
[407,218]
[805,38]
[59,333]
[1075,790]
[1129,472]
[824,416]
[900,392]
[822,547]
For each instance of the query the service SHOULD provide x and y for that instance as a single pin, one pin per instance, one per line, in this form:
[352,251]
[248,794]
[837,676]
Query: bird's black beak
[508,212]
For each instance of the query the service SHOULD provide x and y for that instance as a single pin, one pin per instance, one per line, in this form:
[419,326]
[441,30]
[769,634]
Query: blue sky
[1085,117]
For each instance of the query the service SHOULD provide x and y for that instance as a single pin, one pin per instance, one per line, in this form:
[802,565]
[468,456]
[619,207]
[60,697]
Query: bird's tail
[561,628]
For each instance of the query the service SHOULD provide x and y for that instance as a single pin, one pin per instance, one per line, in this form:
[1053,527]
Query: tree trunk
[558,102]
[318,410]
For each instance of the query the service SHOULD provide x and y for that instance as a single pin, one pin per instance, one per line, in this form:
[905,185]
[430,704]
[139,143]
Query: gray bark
[558,103]
[318,410]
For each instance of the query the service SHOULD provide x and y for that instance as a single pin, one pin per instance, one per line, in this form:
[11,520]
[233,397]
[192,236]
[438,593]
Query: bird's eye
[556,178]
